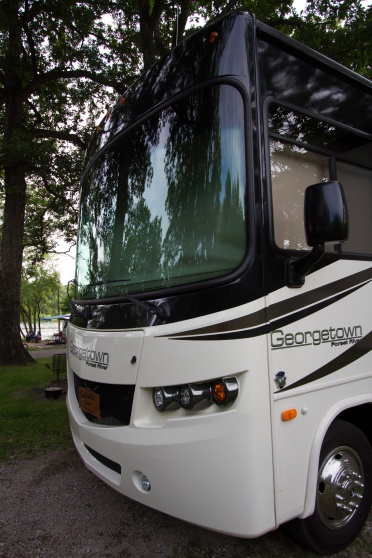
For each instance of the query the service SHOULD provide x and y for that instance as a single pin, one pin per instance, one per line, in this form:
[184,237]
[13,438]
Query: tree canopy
[61,65]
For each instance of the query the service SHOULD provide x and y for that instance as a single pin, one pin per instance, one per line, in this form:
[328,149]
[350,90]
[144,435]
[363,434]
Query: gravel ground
[52,506]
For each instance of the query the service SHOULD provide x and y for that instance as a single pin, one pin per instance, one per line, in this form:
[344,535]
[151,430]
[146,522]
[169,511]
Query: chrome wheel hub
[340,487]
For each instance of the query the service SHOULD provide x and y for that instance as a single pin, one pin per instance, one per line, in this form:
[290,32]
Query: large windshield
[164,204]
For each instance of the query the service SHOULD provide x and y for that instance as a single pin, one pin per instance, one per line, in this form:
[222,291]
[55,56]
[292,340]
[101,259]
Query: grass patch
[30,423]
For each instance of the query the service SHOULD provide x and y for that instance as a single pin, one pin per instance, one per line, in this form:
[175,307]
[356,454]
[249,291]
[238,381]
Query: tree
[46,46]
[341,29]
[61,61]
[39,293]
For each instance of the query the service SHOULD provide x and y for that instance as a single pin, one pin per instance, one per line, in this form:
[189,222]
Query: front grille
[116,401]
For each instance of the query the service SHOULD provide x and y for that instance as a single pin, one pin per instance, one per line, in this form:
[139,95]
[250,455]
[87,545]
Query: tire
[344,491]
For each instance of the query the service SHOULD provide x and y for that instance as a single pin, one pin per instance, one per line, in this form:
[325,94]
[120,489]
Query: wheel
[344,491]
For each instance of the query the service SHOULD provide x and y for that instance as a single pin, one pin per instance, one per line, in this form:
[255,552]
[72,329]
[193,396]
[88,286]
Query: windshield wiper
[86,313]
[107,282]
[162,311]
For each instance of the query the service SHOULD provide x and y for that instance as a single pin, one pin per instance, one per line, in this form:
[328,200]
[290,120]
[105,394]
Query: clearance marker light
[212,37]
[289,414]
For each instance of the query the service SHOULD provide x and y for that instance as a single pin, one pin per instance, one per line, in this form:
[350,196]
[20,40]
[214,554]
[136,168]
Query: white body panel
[308,346]
[240,470]
[202,464]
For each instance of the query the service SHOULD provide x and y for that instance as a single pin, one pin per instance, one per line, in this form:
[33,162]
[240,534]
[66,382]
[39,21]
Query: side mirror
[326,220]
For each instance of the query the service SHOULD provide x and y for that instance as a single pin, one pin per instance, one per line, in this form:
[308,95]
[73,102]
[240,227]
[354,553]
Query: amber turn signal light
[225,391]
[289,414]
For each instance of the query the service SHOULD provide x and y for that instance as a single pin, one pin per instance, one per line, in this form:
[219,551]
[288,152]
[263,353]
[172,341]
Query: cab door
[318,284]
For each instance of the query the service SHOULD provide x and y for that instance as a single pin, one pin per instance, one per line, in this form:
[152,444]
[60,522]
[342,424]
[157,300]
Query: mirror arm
[298,268]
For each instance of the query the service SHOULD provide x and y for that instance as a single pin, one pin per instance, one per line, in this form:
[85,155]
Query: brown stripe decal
[314,296]
[298,307]
[266,328]
[348,357]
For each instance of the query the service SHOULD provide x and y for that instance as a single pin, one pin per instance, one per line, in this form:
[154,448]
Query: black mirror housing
[326,220]
[326,217]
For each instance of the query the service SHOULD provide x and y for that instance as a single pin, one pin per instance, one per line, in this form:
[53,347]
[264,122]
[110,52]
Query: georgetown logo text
[94,359]
[332,335]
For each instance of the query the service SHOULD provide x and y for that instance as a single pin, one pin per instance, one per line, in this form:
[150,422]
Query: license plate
[90,402]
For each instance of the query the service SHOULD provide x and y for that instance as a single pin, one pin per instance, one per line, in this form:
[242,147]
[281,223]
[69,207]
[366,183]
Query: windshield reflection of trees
[125,241]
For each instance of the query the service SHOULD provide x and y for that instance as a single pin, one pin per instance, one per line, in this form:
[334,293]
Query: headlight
[165,398]
[192,394]
[222,392]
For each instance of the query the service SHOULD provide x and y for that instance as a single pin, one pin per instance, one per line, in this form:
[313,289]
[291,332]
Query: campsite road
[53,350]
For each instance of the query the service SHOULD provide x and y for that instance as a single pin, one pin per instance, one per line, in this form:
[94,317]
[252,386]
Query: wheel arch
[355,410]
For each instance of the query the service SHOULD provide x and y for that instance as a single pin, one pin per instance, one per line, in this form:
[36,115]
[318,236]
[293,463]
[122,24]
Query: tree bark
[12,351]
[11,347]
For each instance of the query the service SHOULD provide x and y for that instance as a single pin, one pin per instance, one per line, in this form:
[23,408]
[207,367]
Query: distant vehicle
[219,351]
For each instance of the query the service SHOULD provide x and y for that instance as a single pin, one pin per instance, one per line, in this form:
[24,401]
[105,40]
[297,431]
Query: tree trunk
[12,351]
[38,317]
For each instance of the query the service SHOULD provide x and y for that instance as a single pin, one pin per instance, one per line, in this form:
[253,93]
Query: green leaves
[62,64]
[341,30]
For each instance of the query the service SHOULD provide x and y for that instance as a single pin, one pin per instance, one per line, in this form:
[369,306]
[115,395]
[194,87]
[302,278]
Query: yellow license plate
[90,402]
